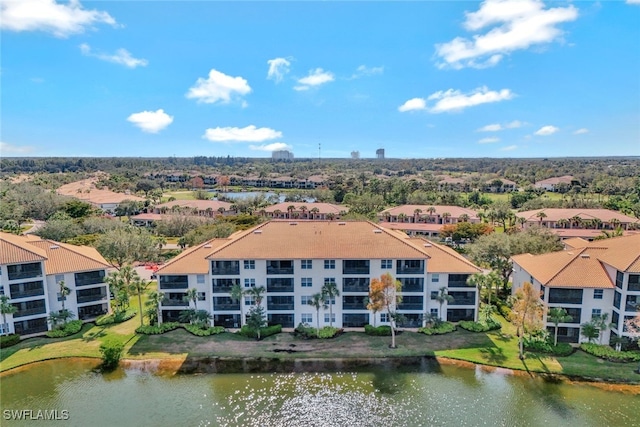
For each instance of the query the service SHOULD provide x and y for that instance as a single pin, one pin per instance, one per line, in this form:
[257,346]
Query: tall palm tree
[6,308]
[317,301]
[237,292]
[330,291]
[137,287]
[463,218]
[556,316]
[64,292]
[257,293]
[154,303]
[445,216]
[541,215]
[314,212]
[192,295]
[442,297]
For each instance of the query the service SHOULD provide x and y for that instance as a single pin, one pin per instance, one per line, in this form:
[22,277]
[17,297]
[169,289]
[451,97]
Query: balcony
[90,298]
[25,290]
[355,267]
[175,303]
[413,284]
[280,285]
[225,304]
[354,303]
[360,284]
[410,267]
[24,271]
[225,268]
[463,298]
[224,286]
[459,281]
[89,278]
[565,296]
[91,311]
[174,282]
[30,311]
[279,267]
[411,303]
[280,303]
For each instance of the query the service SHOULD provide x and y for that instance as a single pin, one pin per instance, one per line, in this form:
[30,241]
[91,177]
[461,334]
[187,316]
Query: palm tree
[314,212]
[445,216]
[463,218]
[317,301]
[563,222]
[303,209]
[192,295]
[602,323]
[64,291]
[257,293]
[416,214]
[137,287]
[6,308]
[54,318]
[330,291]
[556,316]
[290,209]
[237,292]
[522,221]
[589,331]
[541,215]
[65,315]
[154,303]
[442,297]
[431,210]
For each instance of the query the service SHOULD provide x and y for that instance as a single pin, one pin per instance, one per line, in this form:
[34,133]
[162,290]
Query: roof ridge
[574,257]
[244,234]
[22,247]
[66,246]
[403,240]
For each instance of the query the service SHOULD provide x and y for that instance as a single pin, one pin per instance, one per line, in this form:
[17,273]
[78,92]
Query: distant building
[282,155]
[355,154]
[380,153]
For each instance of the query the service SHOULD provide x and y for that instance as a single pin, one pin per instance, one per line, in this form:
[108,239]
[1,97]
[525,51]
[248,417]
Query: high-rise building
[380,153]
[282,155]
[355,154]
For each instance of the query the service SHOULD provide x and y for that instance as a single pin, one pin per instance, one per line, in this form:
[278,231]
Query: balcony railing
[25,274]
[91,278]
[355,270]
[353,306]
[273,306]
[165,284]
[279,270]
[411,306]
[27,293]
[463,301]
[459,284]
[412,286]
[410,270]
[225,271]
[175,303]
[31,331]
[560,300]
[632,307]
[226,306]
[30,312]
[89,298]
[361,285]
[222,289]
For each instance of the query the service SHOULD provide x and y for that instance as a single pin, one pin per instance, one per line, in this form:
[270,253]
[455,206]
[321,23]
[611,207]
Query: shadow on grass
[493,355]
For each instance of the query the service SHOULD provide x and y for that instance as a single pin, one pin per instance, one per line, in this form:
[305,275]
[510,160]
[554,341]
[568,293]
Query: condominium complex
[586,279]
[294,259]
[31,270]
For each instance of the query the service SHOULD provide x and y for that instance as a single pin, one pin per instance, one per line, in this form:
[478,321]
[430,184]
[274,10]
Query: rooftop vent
[207,245]
[427,245]
[585,256]
[342,223]
[257,231]
[293,223]
[377,231]
[54,247]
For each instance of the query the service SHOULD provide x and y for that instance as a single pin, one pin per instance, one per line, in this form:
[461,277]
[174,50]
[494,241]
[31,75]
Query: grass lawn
[179,195]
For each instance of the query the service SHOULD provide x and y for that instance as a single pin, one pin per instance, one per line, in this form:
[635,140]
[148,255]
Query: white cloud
[516,25]
[316,77]
[122,57]
[413,104]
[509,148]
[495,127]
[5,148]
[546,130]
[364,71]
[218,87]
[249,133]
[276,146]
[61,20]
[488,140]
[633,1]
[454,100]
[151,121]
[582,131]
[278,67]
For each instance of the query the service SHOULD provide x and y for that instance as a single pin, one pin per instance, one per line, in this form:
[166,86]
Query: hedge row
[198,331]
[471,326]
[607,353]
[380,331]
[264,332]
[62,331]
[562,349]
[307,332]
[9,340]
[157,329]
[109,319]
[443,328]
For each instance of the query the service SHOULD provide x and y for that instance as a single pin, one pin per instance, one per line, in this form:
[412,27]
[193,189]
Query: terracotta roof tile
[15,250]
[203,205]
[409,210]
[555,214]
[322,207]
[64,258]
[192,260]
[443,259]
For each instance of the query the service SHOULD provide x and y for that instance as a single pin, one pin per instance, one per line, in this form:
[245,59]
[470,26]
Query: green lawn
[179,195]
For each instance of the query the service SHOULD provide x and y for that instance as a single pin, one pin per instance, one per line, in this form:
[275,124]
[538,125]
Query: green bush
[264,332]
[607,353]
[380,331]
[471,326]
[443,328]
[70,328]
[157,329]
[306,332]
[109,319]
[111,354]
[503,309]
[329,332]
[9,340]
[562,349]
[198,331]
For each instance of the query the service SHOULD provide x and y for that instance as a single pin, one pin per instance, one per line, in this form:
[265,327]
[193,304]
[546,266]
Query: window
[249,264]
[329,264]
[332,302]
[306,318]
[200,279]
[60,297]
[59,278]
[598,293]
[1,290]
[306,282]
[307,264]
[328,318]
[386,264]
[305,299]
[248,300]
[434,295]
[384,317]
[201,296]
[435,278]
[328,280]
[619,279]
[596,312]
[4,328]
[249,283]
[434,312]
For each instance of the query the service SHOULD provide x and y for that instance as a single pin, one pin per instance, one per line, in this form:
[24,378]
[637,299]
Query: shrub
[109,319]
[503,309]
[157,329]
[329,332]
[468,325]
[264,332]
[443,328]
[70,328]
[607,353]
[305,331]
[380,331]
[198,331]
[562,349]
[9,340]
[111,354]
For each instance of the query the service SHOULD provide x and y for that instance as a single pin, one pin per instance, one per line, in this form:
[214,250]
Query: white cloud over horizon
[275,146]
[489,140]
[247,134]
[514,25]
[509,148]
[151,121]
[122,57]
[413,104]
[364,71]
[218,87]
[495,127]
[5,147]
[59,19]
[315,78]
[546,130]
[582,131]
[453,100]
[278,68]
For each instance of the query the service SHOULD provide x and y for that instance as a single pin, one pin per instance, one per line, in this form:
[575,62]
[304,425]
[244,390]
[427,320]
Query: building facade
[294,260]
[31,270]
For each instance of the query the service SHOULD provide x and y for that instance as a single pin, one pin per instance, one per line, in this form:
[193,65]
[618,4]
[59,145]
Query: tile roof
[322,207]
[412,226]
[443,259]
[64,258]
[199,204]
[554,214]
[409,210]
[310,239]
[14,250]
[575,242]
[556,180]
[586,233]
[192,260]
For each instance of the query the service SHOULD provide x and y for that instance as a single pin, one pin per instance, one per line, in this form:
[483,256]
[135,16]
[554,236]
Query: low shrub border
[157,329]
[198,331]
[443,328]
[307,332]
[109,319]
[9,340]
[379,331]
[607,353]
[62,331]
[264,332]
[471,326]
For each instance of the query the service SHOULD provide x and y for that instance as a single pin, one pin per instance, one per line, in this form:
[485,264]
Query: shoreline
[226,365]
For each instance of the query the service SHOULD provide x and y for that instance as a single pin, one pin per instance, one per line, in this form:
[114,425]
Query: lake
[429,395]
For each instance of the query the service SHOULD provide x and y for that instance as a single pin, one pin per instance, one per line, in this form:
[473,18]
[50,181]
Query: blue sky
[498,78]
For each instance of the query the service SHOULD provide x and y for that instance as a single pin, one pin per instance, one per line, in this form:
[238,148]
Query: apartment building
[294,259]
[586,279]
[30,272]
